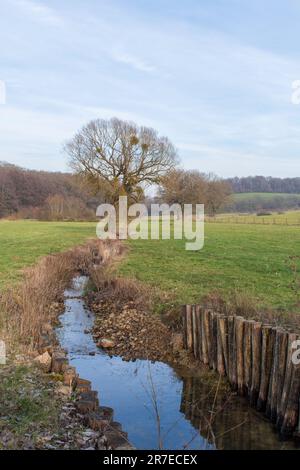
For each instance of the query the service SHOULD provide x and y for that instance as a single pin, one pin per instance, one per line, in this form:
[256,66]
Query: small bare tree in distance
[123,154]
[192,187]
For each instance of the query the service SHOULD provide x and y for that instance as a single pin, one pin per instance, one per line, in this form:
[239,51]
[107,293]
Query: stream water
[184,402]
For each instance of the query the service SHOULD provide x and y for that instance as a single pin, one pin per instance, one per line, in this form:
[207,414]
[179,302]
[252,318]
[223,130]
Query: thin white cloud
[40,12]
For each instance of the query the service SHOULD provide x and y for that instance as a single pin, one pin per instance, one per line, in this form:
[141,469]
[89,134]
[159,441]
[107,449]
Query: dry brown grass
[120,291]
[242,304]
[25,308]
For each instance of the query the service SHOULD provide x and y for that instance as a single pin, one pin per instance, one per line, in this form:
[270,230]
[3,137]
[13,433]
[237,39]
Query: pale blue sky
[215,76]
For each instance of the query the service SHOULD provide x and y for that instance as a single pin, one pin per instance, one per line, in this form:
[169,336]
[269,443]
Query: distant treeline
[62,196]
[265,184]
[43,195]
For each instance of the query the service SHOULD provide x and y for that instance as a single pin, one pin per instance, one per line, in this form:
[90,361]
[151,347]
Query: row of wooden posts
[256,358]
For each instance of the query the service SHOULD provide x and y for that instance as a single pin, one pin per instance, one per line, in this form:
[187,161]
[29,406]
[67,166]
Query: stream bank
[161,406]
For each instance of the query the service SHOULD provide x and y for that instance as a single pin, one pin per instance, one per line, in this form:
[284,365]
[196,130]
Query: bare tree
[121,153]
[192,187]
[217,193]
[183,187]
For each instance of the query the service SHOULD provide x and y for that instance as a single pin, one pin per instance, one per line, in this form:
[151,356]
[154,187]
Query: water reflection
[226,420]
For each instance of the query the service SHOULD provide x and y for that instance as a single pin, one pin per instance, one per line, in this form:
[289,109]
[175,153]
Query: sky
[215,76]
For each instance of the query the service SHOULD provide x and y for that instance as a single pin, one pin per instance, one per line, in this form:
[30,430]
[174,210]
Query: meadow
[252,259]
[255,259]
[23,242]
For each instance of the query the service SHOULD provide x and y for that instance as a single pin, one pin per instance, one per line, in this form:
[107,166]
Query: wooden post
[283,351]
[239,339]
[189,327]
[184,326]
[215,341]
[205,336]
[268,341]
[222,345]
[272,385]
[287,381]
[195,331]
[199,330]
[232,353]
[210,340]
[256,362]
[248,327]
[276,382]
[291,415]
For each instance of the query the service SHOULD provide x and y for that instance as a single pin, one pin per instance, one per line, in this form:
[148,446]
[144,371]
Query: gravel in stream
[135,334]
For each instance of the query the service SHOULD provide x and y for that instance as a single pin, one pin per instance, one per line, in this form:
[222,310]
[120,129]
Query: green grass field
[23,242]
[250,258]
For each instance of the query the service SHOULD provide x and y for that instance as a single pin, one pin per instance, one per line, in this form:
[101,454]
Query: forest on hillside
[264,184]
[43,195]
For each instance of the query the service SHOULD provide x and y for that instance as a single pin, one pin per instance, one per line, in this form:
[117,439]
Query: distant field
[253,202]
[275,217]
[268,196]
[23,242]
[249,258]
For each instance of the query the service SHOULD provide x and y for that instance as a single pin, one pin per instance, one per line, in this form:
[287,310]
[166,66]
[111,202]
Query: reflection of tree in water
[225,420]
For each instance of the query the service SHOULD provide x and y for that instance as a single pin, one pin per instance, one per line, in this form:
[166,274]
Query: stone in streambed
[106,343]
[44,361]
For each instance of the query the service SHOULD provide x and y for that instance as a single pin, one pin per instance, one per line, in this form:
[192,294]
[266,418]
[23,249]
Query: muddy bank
[125,325]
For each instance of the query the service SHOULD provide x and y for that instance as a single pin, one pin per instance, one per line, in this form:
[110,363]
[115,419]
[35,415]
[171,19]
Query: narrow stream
[184,402]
